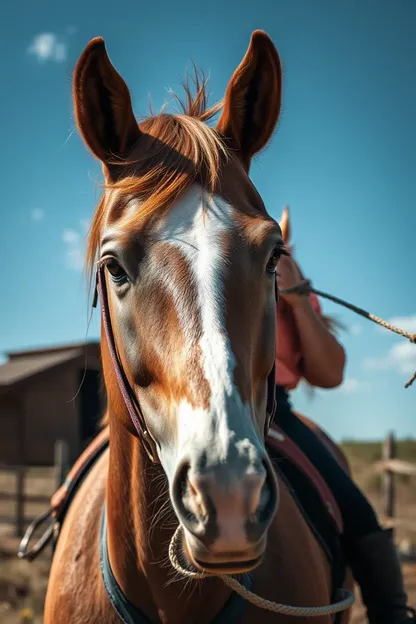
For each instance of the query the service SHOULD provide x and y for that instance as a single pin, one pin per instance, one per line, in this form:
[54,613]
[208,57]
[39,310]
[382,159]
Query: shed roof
[29,364]
[85,345]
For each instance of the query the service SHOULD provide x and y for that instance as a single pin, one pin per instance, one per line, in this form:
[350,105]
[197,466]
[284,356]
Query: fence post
[21,468]
[20,500]
[389,452]
[61,461]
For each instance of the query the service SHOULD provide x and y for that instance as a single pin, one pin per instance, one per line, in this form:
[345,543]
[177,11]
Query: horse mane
[175,150]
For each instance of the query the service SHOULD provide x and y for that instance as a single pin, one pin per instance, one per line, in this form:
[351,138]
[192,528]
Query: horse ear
[253,99]
[102,104]
[285,225]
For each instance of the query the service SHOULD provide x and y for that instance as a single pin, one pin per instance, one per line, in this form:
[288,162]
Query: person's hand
[288,276]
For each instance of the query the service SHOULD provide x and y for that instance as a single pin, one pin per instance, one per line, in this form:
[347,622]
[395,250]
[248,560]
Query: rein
[346,598]
[305,288]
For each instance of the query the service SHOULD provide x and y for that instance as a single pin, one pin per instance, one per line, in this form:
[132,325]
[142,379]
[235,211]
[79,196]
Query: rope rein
[305,288]
[346,598]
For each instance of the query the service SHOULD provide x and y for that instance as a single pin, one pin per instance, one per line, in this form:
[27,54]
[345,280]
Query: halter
[130,400]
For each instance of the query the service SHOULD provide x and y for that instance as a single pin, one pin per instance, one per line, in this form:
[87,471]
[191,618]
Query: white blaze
[196,226]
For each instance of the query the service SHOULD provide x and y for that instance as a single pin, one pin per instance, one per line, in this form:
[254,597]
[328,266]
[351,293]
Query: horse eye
[273,261]
[117,274]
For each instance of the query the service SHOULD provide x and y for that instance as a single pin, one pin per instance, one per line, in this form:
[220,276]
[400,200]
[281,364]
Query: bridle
[130,400]
[136,414]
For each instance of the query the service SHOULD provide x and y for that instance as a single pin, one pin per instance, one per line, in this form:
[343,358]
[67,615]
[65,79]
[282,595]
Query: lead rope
[305,288]
[346,597]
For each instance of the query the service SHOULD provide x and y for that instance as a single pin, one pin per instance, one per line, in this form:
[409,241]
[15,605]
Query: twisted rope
[346,598]
[305,288]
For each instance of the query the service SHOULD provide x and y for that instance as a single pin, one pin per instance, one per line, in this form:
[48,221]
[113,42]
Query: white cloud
[48,47]
[37,214]
[74,247]
[408,323]
[71,237]
[85,224]
[401,358]
[351,385]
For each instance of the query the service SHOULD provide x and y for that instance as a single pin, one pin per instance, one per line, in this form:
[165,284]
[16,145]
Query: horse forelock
[175,151]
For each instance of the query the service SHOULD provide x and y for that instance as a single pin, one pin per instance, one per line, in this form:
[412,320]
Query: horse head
[188,254]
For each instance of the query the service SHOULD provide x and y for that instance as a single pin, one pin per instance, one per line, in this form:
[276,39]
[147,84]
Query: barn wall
[44,408]
[51,413]
[9,438]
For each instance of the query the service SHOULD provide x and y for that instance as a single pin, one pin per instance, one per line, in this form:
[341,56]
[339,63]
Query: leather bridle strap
[129,397]
[271,404]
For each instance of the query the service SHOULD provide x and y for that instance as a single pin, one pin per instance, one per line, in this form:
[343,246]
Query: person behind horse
[307,349]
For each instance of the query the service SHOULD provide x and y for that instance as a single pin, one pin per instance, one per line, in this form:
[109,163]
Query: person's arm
[323,357]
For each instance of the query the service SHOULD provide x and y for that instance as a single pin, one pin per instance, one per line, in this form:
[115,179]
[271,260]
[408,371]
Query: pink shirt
[288,373]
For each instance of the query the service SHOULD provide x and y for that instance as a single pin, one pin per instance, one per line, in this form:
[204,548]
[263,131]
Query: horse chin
[228,567]
[209,562]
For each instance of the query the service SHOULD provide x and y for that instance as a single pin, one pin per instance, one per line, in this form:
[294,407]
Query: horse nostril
[267,505]
[184,495]
[181,477]
[268,496]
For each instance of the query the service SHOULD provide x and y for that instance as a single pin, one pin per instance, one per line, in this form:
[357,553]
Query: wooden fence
[389,466]
[21,495]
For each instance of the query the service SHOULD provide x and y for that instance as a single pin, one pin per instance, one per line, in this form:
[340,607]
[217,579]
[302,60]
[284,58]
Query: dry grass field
[23,585]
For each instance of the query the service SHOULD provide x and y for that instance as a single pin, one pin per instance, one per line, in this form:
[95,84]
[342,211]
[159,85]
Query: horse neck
[141,522]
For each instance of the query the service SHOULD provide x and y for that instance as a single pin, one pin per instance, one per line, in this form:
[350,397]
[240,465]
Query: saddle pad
[280,442]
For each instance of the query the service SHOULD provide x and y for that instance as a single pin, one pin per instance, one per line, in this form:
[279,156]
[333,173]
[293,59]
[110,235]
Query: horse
[185,255]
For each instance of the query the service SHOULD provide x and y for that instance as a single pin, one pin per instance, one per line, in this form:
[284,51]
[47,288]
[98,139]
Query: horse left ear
[102,106]
[253,99]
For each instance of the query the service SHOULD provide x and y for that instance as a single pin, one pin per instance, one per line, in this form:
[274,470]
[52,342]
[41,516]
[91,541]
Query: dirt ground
[23,584]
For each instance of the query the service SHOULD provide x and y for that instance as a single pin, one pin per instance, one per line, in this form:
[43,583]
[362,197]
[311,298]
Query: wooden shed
[48,395]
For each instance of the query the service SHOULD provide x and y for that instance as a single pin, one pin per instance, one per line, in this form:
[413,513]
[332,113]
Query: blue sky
[343,158]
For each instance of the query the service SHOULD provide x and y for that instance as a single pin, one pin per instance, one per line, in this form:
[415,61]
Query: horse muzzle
[225,513]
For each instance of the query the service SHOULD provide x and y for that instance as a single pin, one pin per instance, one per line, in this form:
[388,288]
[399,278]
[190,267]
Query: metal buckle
[23,552]
[267,424]
[149,446]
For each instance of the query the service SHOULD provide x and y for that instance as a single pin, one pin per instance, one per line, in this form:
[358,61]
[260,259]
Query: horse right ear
[253,99]
[285,225]
[102,105]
